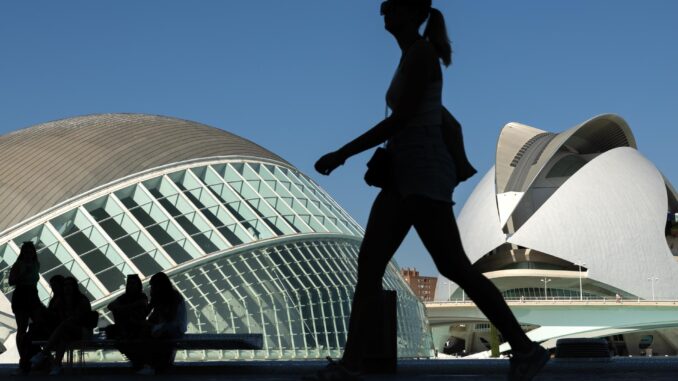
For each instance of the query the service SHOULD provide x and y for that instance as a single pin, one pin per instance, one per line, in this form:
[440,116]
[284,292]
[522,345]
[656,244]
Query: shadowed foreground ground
[658,368]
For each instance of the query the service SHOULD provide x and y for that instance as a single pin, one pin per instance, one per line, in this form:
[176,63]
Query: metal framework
[253,245]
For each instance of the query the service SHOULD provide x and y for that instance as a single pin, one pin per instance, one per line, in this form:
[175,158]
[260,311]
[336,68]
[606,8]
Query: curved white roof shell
[511,146]
[609,213]
[480,218]
[597,134]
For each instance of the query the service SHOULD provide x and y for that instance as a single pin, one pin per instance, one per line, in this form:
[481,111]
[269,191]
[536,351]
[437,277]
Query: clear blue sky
[302,77]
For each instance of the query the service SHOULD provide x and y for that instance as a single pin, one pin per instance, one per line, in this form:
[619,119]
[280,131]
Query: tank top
[422,163]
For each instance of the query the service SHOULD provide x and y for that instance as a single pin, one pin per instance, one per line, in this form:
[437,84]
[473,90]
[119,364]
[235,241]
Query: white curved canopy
[479,220]
[611,214]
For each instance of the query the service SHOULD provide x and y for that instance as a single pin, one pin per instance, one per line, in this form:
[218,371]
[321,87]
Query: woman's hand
[329,162]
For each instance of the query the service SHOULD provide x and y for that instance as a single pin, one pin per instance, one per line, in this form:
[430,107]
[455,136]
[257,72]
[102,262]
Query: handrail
[561,301]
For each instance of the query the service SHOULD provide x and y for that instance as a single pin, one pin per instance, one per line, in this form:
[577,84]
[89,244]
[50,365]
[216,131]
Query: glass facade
[254,247]
[551,293]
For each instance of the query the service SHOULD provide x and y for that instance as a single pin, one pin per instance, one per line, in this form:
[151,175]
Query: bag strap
[383,145]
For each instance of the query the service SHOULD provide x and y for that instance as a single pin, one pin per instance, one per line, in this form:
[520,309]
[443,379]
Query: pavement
[618,369]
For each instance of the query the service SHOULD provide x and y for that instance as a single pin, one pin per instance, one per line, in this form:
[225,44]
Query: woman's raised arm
[415,72]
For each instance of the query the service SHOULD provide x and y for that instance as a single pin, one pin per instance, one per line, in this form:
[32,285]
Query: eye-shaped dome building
[254,245]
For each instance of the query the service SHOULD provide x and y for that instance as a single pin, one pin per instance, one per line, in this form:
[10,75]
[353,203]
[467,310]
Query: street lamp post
[653,279]
[546,281]
[449,291]
[579,264]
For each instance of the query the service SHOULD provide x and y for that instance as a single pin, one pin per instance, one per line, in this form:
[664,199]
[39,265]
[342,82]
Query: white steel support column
[289,304]
[303,321]
[263,324]
[334,316]
[220,293]
[270,294]
[345,315]
[313,322]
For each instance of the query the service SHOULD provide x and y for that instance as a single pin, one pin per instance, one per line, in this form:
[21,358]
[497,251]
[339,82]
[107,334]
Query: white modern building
[577,215]
[253,244]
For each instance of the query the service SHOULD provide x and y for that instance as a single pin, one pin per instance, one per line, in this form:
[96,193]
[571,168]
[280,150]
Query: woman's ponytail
[436,33]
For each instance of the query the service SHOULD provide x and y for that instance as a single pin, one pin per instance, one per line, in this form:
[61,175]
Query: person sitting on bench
[129,311]
[77,319]
[129,315]
[167,320]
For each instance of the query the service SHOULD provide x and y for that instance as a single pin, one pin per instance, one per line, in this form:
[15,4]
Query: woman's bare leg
[437,228]
[21,318]
[387,226]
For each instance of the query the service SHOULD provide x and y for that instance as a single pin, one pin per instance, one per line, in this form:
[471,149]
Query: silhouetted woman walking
[421,178]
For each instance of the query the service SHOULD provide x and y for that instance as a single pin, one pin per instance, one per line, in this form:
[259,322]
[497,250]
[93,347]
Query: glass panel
[320,200]
[158,225]
[184,214]
[7,259]
[126,234]
[211,207]
[322,209]
[240,210]
[94,250]
[300,219]
[254,200]
[566,166]
[55,259]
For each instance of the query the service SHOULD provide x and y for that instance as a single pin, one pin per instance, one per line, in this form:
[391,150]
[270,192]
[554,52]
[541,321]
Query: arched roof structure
[599,134]
[610,211]
[47,164]
[251,243]
[513,179]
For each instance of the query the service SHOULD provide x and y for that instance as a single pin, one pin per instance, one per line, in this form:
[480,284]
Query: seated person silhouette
[76,322]
[129,317]
[129,311]
[167,320]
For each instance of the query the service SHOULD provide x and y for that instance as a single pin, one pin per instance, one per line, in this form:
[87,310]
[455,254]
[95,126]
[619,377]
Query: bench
[191,341]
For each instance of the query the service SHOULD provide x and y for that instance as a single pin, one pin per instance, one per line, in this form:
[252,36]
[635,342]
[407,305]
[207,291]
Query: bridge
[563,318]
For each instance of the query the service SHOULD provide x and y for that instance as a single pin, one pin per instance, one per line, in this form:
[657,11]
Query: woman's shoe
[524,366]
[334,371]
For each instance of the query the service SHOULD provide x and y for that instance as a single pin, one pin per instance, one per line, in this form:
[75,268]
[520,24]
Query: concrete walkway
[618,369]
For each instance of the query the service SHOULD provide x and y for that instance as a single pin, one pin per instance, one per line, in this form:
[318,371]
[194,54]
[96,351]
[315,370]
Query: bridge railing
[567,300]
